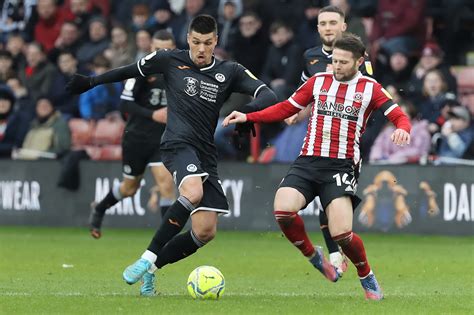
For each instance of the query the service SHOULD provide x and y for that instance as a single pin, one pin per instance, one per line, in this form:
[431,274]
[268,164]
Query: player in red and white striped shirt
[327,163]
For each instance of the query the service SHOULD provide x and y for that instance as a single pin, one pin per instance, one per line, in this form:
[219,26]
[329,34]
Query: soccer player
[344,100]
[144,100]
[331,25]
[196,85]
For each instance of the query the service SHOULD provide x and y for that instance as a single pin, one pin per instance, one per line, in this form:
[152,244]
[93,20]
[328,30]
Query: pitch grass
[264,275]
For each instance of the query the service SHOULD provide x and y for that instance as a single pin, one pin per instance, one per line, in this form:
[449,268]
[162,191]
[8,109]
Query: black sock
[172,223]
[108,201]
[181,246]
[164,209]
[330,244]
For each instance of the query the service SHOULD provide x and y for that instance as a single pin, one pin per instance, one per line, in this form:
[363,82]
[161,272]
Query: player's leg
[335,257]
[166,187]
[126,188]
[340,216]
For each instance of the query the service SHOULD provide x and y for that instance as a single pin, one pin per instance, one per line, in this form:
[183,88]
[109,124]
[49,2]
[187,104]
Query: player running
[344,100]
[144,100]
[197,85]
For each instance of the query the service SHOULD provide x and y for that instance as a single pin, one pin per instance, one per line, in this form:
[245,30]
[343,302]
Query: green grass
[264,275]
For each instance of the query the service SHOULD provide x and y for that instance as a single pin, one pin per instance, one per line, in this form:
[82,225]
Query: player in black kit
[196,85]
[144,101]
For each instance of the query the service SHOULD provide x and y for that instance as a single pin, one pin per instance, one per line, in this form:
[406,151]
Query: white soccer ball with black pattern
[206,282]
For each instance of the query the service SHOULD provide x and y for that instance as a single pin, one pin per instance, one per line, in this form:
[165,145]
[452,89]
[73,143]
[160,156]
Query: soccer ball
[206,283]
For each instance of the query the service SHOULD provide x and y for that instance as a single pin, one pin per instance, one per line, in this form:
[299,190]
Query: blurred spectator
[97,102]
[12,125]
[24,103]
[228,26]
[162,16]
[68,39]
[97,43]
[38,73]
[181,22]
[398,24]
[16,45]
[48,136]
[434,89]
[50,19]
[141,18]
[121,10]
[120,51]
[431,58]
[354,23]
[251,43]
[143,44]
[237,3]
[398,72]
[6,66]
[283,64]
[66,103]
[456,134]
[306,35]
[14,16]
[290,11]
[384,150]
[83,11]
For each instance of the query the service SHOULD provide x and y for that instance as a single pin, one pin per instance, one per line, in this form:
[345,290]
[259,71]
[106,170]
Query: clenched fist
[79,84]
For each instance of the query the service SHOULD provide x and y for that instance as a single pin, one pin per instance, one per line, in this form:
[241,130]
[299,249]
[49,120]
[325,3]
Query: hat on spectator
[161,5]
[449,99]
[432,49]
[460,112]
[7,94]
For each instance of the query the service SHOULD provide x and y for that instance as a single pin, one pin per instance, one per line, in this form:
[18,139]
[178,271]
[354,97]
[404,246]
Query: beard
[345,77]
[328,43]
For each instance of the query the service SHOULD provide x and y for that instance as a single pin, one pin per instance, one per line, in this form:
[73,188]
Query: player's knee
[193,194]
[284,218]
[128,190]
[205,233]
[342,239]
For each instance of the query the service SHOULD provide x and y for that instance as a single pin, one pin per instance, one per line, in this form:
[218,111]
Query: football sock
[179,247]
[112,197]
[353,247]
[173,222]
[292,226]
[330,244]
[165,204]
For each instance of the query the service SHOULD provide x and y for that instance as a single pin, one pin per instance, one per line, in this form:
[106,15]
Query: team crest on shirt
[220,77]
[192,86]
[191,168]
[323,92]
[358,97]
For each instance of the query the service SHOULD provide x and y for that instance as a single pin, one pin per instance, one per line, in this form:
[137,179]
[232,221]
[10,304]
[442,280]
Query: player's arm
[383,101]
[152,63]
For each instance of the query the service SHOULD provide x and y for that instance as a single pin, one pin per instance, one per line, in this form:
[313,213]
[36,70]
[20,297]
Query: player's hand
[234,118]
[79,84]
[400,137]
[292,120]
[160,115]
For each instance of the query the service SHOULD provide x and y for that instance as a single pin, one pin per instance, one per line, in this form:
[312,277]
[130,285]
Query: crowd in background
[412,44]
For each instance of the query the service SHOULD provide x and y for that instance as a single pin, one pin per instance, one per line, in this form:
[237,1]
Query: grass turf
[264,275]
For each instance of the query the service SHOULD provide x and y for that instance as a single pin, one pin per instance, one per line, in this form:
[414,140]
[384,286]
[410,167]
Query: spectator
[6,66]
[14,16]
[38,73]
[283,65]
[83,11]
[434,89]
[162,16]
[431,58]
[251,43]
[97,43]
[50,19]
[384,150]
[228,26]
[456,134]
[143,44]
[306,35]
[24,103]
[141,18]
[97,102]
[12,124]
[180,24]
[120,52]
[68,39]
[66,103]
[48,136]
[354,23]
[290,11]
[398,72]
[16,46]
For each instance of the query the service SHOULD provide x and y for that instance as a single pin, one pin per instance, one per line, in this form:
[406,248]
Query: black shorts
[324,177]
[183,162]
[137,153]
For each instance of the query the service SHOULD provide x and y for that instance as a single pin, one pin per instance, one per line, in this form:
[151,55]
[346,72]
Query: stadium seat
[110,153]
[108,131]
[81,132]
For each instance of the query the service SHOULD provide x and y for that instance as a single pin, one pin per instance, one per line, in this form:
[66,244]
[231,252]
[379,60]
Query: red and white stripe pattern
[339,114]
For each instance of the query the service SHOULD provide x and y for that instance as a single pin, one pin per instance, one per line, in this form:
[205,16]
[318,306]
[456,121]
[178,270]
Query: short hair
[101,61]
[251,14]
[164,35]
[334,9]
[203,24]
[275,26]
[352,43]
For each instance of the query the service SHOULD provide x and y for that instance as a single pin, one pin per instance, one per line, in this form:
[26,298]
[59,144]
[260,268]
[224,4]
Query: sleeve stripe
[390,109]
[139,69]
[127,98]
[293,102]
[304,77]
[258,89]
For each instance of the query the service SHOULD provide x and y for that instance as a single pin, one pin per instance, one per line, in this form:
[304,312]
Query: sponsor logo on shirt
[220,77]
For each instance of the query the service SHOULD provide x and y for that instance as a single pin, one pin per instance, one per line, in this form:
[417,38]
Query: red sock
[353,247]
[292,226]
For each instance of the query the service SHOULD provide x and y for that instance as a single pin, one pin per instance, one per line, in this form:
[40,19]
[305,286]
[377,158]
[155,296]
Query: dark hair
[6,54]
[164,35]
[251,14]
[352,43]
[203,24]
[275,26]
[333,8]
[101,61]
[67,52]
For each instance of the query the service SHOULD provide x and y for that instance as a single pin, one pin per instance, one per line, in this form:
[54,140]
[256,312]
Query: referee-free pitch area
[65,271]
